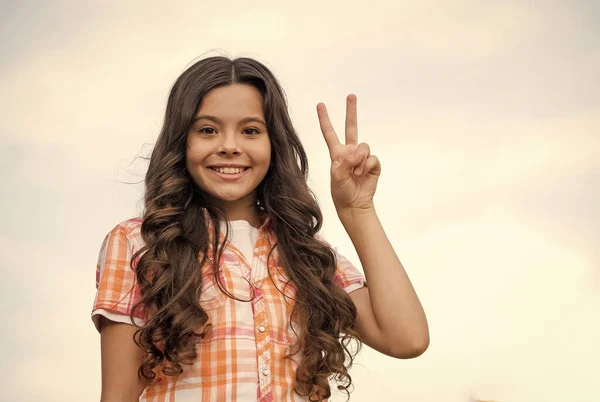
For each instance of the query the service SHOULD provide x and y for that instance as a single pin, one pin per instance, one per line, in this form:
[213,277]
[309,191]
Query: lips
[229,174]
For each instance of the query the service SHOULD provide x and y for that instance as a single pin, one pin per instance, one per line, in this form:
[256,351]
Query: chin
[229,198]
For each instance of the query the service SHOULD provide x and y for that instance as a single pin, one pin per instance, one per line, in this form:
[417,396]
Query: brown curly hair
[174,229]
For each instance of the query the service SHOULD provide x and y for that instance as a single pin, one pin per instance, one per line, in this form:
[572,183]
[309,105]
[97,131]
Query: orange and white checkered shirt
[243,358]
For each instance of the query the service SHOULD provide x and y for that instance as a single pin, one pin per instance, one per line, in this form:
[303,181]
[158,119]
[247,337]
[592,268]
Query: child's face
[212,145]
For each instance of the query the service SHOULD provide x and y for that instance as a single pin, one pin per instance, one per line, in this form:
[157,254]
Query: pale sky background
[485,116]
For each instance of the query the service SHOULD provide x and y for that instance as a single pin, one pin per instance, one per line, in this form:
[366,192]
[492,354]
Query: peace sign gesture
[354,171]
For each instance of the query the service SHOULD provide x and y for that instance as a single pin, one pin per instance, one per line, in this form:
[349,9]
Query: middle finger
[351,120]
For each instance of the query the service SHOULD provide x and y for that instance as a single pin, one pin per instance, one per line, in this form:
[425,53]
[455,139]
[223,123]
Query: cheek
[189,151]
[267,158]
[194,153]
[266,153]
[193,164]
[190,161]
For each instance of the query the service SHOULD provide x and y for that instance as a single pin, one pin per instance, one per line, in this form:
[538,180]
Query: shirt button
[265,371]
[261,328]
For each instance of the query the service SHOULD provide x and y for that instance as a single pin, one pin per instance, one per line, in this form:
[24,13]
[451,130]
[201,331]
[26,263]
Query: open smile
[229,173]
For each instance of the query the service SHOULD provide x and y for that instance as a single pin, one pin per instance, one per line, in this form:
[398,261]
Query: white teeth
[229,170]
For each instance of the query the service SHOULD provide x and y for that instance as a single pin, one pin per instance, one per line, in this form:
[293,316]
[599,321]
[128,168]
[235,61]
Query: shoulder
[131,226]
[129,231]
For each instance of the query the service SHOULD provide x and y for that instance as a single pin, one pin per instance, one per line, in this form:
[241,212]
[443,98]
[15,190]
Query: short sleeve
[347,276]
[116,283]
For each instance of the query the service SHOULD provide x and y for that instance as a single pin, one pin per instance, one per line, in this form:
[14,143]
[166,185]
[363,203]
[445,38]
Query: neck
[243,210]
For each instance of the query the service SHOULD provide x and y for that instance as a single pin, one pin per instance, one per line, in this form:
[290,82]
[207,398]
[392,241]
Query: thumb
[341,169]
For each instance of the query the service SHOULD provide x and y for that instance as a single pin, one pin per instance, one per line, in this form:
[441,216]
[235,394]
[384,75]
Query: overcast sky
[486,119]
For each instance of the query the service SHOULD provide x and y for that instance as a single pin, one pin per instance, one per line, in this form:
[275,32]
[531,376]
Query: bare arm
[390,316]
[121,358]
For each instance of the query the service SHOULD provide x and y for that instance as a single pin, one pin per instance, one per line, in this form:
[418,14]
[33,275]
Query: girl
[224,290]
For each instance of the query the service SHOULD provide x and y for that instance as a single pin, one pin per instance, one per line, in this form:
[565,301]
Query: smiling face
[228,148]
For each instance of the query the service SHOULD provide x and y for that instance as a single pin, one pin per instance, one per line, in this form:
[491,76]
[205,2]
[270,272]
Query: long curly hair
[174,229]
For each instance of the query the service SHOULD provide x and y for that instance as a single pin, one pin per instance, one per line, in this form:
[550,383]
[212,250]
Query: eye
[252,132]
[203,130]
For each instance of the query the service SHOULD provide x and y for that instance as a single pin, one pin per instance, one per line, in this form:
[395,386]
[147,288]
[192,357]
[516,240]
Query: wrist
[353,214]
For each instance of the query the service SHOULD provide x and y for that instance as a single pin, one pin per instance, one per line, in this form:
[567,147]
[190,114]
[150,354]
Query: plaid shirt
[243,358]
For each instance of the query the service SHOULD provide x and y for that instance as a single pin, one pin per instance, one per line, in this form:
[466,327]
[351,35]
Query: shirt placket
[261,323]
[263,346]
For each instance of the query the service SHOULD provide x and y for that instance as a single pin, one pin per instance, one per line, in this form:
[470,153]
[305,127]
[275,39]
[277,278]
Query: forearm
[395,304]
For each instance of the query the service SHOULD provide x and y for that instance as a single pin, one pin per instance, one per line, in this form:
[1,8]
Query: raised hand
[354,171]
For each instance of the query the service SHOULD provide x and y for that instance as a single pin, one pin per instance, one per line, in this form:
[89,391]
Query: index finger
[331,137]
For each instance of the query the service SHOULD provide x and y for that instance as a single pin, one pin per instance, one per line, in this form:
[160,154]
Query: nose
[229,145]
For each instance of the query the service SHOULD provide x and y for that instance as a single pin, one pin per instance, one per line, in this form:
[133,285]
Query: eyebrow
[242,121]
